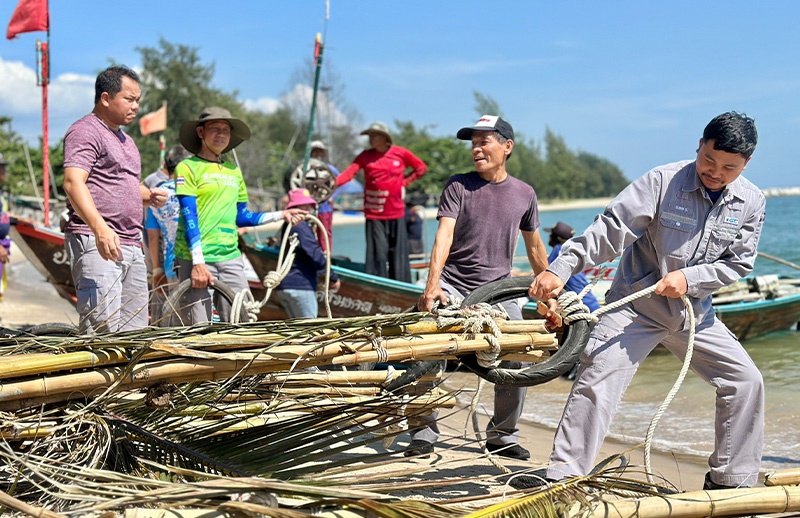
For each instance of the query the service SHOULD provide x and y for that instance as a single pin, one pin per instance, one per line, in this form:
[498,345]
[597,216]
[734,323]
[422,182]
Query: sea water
[688,424]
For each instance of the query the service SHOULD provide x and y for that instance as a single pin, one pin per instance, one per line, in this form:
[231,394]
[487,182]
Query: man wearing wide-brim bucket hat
[213,201]
[385,180]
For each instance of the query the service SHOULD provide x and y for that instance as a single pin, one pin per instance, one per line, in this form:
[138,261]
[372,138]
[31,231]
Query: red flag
[29,16]
[154,121]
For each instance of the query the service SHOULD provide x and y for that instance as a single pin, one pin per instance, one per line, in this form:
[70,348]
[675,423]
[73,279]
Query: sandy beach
[29,299]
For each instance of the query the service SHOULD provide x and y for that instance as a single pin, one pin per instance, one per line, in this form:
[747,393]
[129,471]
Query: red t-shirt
[384,178]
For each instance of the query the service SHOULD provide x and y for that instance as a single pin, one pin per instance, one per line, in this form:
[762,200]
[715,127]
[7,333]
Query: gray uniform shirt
[665,221]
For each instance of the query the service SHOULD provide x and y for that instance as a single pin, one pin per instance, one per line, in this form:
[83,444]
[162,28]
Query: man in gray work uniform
[691,227]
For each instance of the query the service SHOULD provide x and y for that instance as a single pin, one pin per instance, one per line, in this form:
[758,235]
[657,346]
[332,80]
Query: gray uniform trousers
[617,346]
[112,295]
[199,301]
[508,401]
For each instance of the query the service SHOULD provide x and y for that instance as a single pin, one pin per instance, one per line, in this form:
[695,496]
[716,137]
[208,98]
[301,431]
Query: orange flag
[154,121]
[29,16]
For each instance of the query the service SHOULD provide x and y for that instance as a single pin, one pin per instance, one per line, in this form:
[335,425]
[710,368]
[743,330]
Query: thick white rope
[474,319]
[245,300]
[572,309]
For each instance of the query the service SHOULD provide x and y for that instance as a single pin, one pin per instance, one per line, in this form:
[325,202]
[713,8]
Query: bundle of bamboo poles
[93,365]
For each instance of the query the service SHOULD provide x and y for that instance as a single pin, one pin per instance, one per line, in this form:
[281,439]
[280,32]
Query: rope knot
[474,319]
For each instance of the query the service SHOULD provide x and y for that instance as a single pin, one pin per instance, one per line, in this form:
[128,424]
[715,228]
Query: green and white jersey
[217,188]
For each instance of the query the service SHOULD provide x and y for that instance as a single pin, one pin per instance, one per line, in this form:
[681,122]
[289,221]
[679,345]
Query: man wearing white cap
[481,214]
[385,179]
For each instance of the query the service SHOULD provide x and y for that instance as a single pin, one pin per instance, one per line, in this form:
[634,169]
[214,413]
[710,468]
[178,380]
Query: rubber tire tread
[173,301]
[51,329]
[575,338]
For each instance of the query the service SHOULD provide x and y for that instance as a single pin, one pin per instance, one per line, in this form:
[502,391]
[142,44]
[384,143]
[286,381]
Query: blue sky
[632,81]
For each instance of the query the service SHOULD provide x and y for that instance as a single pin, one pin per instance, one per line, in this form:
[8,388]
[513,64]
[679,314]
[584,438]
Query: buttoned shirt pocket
[676,230]
[722,236]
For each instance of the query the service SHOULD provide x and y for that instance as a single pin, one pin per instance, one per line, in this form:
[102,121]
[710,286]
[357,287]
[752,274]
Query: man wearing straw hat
[385,181]
[213,200]
[102,171]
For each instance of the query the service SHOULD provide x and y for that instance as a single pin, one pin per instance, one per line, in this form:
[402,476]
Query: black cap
[487,123]
[561,230]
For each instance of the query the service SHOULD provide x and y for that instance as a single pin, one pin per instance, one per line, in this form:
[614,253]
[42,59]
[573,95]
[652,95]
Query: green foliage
[443,156]
[176,74]
[18,177]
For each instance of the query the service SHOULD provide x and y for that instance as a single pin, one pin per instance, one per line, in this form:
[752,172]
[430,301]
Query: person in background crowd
[385,178]
[414,220]
[689,228]
[102,171]
[298,290]
[161,227]
[213,200]
[319,151]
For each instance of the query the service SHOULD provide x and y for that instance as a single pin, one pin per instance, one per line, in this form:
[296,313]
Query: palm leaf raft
[249,420]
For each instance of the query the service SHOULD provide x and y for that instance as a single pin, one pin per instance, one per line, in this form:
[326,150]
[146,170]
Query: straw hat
[188,136]
[318,144]
[378,127]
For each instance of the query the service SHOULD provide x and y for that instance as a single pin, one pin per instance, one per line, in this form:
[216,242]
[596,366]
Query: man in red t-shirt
[385,179]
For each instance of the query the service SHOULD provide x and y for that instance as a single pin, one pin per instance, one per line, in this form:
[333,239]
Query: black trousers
[387,249]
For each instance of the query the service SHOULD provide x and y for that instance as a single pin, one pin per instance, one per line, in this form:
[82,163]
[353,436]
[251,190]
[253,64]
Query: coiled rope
[289,243]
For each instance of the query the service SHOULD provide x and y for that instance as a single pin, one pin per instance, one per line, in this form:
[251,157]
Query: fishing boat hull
[44,248]
[749,320]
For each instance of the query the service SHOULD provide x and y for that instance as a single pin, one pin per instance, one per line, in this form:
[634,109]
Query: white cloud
[18,88]
[262,104]
[70,96]
[298,101]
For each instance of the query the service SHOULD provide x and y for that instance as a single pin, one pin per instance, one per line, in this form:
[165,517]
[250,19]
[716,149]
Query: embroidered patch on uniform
[179,181]
[730,220]
[677,219]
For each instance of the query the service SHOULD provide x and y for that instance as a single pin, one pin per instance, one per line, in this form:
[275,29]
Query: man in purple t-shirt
[481,214]
[103,236]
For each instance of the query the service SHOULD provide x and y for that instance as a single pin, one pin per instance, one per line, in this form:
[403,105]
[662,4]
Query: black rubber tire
[574,340]
[51,329]
[174,299]
[414,372]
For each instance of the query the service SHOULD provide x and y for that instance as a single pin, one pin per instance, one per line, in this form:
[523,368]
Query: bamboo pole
[782,477]
[41,363]
[16,393]
[724,502]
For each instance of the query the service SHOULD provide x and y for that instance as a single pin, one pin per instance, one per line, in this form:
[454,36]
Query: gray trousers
[197,303]
[508,401]
[112,296]
[617,346]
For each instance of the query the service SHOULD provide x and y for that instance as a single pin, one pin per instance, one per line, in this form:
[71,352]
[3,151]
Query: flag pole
[42,55]
[318,61]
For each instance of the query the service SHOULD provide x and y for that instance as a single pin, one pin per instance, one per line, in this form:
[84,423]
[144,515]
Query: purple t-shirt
[488,218]
[114,169]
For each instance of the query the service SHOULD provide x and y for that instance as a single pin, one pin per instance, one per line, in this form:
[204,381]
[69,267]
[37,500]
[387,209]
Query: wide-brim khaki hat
[378,127]
[239,130]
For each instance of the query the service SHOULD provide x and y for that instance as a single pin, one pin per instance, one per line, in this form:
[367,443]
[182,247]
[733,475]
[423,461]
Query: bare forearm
[439,255]
[81,200]
[154,242]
